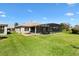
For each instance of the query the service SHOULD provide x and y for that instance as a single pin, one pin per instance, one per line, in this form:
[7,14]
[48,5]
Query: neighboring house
[3,29]
[10,28]
[37,28]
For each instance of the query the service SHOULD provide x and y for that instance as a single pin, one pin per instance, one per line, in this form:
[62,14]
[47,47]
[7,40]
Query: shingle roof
[29,24]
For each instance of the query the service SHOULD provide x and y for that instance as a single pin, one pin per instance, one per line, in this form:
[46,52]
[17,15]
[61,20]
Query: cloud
[72,19]
[29,10]
[1,12]
[44,18]
[3,15]
[69,14]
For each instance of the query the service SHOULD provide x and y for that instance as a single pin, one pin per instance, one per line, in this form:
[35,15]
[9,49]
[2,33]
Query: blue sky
[39,12]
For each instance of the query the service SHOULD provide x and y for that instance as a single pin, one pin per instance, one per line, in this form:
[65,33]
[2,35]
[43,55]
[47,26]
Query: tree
[16,24]
[75,30]
[65,26]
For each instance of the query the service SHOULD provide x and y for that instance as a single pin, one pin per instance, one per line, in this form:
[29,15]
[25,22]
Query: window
[1,29]
[26,29]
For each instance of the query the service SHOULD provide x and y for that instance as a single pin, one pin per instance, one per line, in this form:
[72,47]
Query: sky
[11,13]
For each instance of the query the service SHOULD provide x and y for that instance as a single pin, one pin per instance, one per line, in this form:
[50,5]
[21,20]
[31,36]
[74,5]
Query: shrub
[75,30]
[65,26]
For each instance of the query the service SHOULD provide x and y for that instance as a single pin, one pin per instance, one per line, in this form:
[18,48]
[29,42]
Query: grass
[58,44]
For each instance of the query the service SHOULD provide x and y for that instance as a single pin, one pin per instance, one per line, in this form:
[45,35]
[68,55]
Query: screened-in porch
[30,29]
[3,29]
[37,29]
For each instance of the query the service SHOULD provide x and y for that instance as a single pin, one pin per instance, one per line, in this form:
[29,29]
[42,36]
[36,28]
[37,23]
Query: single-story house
[29,27]
[37,28]
[3,29]
[10,28]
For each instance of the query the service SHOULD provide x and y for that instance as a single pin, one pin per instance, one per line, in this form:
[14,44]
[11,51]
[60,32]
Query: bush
[65,26]
[75,30]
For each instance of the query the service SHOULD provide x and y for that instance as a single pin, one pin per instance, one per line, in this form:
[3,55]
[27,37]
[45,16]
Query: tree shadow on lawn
[1,38]
[73,33]
[75,46]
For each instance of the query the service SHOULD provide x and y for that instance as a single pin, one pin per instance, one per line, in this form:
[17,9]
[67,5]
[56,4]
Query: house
[10,29]
[3,29]
[29,27]
[32,27]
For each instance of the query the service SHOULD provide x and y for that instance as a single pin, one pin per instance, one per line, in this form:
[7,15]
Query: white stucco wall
[22,30]
[5,30]
[18,30]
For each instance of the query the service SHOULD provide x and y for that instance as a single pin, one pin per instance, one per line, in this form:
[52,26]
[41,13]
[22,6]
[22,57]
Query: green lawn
[58,44]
